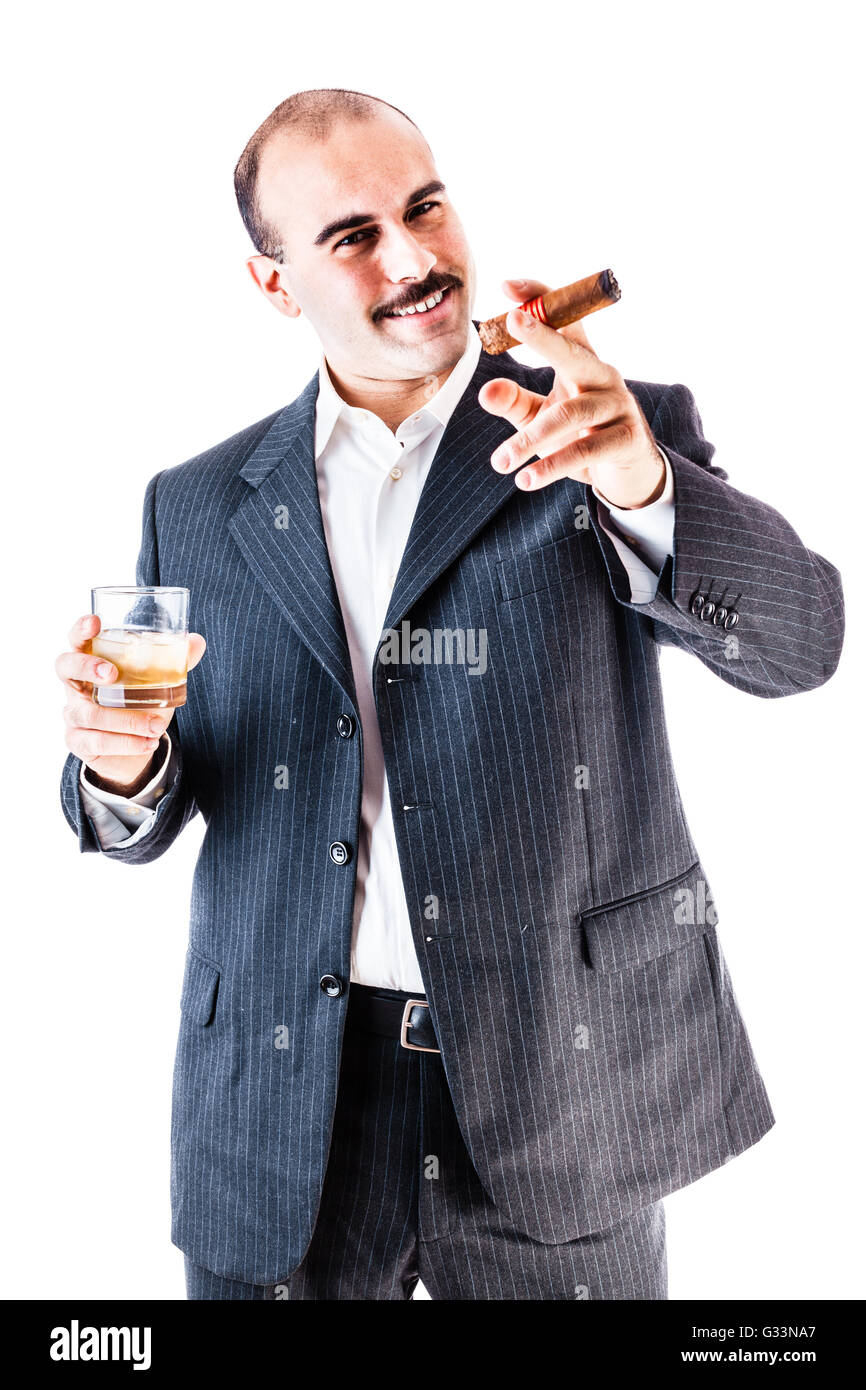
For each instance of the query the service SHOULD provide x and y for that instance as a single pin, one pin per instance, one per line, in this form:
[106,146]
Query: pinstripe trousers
[401,1202]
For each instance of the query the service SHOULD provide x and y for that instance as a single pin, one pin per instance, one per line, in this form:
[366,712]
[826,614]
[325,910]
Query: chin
[437,355]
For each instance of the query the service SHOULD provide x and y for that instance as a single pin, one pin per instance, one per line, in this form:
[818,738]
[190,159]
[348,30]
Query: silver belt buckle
[405,1025]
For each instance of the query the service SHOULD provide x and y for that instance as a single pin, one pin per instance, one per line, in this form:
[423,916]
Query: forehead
[367,166]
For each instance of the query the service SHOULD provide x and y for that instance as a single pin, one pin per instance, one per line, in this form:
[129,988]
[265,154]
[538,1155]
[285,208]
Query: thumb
[521,290]
[197,648]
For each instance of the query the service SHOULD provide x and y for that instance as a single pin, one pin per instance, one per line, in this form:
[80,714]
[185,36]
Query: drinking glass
[143,631]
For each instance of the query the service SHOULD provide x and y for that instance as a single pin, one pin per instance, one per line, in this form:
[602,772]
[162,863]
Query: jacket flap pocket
[551,566]
[201,978]
[649,923]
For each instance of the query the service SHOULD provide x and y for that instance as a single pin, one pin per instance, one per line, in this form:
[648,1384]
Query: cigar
[556,308]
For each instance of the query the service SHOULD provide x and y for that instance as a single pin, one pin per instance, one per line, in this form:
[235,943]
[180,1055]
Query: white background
[713,159]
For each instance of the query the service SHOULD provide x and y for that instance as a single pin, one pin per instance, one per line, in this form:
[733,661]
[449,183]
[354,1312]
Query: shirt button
[391,580]
[396,473]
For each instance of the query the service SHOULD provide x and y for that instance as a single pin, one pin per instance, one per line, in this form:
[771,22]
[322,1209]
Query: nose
[403,256]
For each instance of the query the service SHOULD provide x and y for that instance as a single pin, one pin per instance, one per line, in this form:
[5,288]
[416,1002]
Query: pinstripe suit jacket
[590,1035]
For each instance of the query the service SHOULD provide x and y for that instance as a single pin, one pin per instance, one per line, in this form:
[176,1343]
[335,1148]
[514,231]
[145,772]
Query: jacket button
[708,610]
[720,614]
[732,619]
[697,604]
[345,726]
[332,985]
[339,852]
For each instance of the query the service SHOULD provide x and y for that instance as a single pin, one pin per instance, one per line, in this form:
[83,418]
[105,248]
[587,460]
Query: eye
[350,239]
[423,207]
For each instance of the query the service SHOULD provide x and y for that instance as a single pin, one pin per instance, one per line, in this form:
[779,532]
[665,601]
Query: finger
[576,333]
[569,353]
[558,424]
[577,459]
[81,666]
[83,631]
[521,290]
[84,714]
[525,290]
[88,744]
[513,402]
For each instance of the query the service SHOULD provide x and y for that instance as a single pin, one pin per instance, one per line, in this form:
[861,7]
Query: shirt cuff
[647,530]
[119,821]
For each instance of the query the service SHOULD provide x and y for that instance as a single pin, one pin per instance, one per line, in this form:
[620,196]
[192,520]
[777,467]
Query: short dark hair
[312,113]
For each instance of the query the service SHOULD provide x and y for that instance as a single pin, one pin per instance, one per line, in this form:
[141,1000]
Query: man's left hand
[589,427]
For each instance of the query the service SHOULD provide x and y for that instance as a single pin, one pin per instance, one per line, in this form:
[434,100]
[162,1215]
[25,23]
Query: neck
[392,401]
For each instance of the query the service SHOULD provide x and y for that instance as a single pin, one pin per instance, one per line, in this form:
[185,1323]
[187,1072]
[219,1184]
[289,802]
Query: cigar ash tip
[609,285]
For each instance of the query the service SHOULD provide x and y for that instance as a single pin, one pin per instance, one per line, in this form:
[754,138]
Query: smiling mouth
[424,306]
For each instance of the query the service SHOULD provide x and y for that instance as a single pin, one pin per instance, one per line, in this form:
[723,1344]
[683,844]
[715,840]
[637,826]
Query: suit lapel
[460,495]
[291,560]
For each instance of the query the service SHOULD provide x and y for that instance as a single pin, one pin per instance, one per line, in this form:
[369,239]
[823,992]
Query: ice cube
[139,656]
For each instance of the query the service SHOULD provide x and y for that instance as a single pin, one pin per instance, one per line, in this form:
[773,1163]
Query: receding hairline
[312,115]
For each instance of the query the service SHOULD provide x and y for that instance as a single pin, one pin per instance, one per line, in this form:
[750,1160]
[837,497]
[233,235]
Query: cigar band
[536,308]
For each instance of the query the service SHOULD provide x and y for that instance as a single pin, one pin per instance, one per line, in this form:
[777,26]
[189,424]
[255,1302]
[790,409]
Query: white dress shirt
[370,480]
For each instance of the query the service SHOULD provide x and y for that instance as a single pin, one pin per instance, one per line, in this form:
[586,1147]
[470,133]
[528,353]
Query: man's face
[367,230]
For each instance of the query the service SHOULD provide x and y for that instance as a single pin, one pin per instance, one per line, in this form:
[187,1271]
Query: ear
[266,273]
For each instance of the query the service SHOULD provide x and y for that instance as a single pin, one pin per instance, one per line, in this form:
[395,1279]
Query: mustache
[414,294]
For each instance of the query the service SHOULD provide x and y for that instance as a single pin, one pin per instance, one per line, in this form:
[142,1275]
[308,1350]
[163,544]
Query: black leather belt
[392,1013]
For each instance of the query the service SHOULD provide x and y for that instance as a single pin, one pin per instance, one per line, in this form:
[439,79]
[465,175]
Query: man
[429,745]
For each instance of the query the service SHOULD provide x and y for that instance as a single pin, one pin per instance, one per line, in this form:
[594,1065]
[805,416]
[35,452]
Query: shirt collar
[330,406]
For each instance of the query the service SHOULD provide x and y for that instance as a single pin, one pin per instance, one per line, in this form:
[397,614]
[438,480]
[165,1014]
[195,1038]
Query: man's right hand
[117,745]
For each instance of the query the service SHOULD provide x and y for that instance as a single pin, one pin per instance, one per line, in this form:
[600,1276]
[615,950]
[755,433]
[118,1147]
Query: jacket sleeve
[177,807]
[741,590]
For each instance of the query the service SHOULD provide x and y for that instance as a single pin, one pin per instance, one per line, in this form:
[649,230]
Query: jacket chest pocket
[650,923]
[554,569]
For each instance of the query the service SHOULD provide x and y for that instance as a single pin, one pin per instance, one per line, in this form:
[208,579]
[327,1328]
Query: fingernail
[525,479]
[105,670]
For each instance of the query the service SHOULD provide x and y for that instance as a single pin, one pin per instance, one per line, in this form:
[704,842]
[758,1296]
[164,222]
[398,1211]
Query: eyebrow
[360,219]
